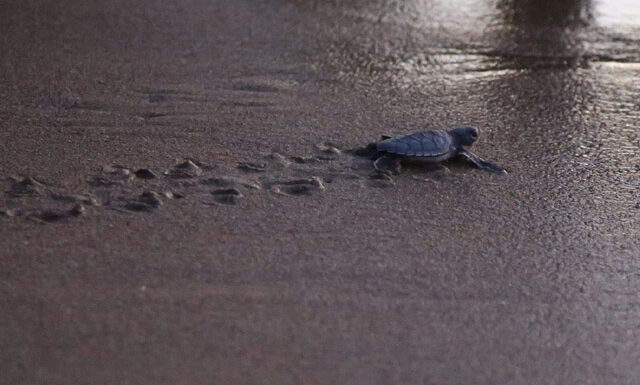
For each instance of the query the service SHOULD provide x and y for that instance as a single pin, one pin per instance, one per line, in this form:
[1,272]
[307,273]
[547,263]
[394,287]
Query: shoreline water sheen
[180,202]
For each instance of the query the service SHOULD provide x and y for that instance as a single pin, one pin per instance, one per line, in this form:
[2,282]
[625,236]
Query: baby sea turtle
[430,147]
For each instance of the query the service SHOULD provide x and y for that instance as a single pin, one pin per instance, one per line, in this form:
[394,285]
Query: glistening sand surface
[276,259]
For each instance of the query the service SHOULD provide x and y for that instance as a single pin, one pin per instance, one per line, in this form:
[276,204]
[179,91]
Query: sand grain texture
[180,201]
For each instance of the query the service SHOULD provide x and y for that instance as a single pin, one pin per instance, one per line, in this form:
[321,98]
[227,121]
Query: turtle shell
[423,144]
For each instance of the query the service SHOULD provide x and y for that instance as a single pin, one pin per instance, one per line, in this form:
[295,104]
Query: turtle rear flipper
[370,151]
[388,163]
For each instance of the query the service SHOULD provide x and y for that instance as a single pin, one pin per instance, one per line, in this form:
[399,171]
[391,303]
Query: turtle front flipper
[388,163]
[482,164]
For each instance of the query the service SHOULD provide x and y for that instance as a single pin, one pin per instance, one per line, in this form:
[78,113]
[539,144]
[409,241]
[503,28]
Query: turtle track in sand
[130,190]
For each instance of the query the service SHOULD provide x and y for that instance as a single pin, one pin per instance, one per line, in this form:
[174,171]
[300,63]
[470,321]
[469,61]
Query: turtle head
[465,136]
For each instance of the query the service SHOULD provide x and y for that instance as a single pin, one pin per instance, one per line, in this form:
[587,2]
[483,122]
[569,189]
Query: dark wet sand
[276,259]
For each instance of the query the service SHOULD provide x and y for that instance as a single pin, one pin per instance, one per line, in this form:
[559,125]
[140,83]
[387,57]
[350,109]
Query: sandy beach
[180,201]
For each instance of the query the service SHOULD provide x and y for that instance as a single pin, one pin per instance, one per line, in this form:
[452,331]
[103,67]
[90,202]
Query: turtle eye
[474,134]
